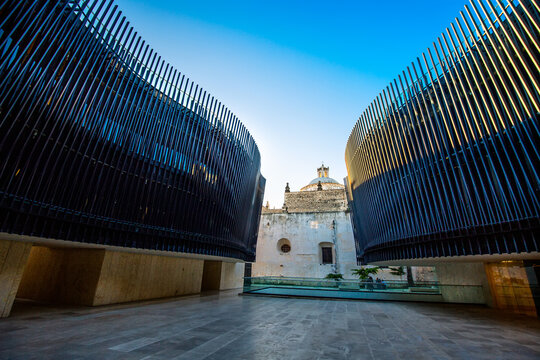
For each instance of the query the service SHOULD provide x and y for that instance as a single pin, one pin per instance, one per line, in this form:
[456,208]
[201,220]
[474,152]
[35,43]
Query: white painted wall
[305,231]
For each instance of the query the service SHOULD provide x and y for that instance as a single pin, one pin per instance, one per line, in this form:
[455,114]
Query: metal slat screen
[445,161]
[102,141]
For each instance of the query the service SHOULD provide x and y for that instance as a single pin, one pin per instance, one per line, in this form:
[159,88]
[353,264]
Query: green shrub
[334,276]
[363,273]
[399,271]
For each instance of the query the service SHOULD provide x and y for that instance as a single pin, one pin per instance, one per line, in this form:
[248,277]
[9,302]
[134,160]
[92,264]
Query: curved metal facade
[445,161]
[102,141]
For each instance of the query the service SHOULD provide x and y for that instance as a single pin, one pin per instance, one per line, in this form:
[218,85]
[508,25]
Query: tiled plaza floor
[227,326]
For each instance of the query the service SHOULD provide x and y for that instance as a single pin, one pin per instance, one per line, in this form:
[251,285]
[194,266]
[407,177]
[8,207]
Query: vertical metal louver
[445,161]
[102,141]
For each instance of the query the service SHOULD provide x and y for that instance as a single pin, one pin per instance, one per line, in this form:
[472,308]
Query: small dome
[323,180]
[327,183]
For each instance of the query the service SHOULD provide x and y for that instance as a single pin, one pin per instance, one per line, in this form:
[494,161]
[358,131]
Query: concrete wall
[211,279]
[464,283]
[98,277]
[423,273]
[305,231]
[221,275]
[232,275]
[13,257]
[129,277]
[61,275]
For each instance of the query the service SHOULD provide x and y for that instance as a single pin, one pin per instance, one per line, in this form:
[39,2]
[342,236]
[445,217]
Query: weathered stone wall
[316,201]
[266,210]
[305,231]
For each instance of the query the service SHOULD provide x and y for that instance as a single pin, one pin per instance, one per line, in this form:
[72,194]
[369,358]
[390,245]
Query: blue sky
[297,73]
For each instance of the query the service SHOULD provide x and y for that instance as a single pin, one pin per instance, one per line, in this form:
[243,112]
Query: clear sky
[296,73]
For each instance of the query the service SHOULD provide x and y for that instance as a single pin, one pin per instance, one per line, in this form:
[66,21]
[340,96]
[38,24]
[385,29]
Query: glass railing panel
[256,283]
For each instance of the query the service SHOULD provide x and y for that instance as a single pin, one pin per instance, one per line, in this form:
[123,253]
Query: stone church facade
[310,236]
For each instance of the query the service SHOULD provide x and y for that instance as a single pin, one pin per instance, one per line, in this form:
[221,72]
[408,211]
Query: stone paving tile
[134,344]
[227,326]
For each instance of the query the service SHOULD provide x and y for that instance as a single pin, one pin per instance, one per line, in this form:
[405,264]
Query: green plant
[334,276]
[398,271]
[363,273]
